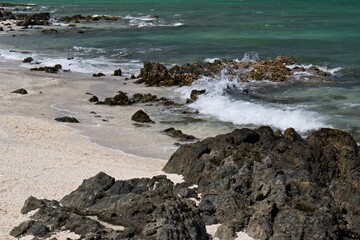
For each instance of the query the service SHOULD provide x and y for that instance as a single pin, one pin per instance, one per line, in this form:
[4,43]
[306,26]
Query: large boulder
[276,186]
[142,117]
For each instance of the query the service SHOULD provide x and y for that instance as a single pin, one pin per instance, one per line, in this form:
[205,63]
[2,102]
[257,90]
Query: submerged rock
[141,116]
[276,186]
[49,30]
[67,119]
[172,132]
[20,91]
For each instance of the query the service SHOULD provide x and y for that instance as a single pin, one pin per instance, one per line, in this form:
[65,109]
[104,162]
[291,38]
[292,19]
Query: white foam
[216,103]
[149,21]
[332,71]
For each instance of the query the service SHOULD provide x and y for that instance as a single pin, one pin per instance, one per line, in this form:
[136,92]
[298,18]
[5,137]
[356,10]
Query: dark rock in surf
[20,91]
[174,133]
[28,60]
[98,75]
[53,69]
[142,117]
[118,72]
[1,29]
[276,186]
[49,30]
[79,31]
[67,120]
[34,19]
[196,93]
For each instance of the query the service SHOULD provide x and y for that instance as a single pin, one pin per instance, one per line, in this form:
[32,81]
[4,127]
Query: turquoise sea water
[322,33]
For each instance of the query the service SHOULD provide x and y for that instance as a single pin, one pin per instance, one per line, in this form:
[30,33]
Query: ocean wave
[218,103]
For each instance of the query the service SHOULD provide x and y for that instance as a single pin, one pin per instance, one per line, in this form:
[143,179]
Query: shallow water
[322,33]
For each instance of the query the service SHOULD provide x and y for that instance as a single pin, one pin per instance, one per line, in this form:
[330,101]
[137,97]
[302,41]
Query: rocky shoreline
[274,185]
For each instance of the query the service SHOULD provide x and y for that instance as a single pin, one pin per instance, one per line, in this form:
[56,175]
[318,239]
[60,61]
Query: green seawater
[322,33]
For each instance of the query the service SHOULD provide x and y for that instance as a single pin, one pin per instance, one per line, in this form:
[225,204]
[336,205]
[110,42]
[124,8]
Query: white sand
[45,159]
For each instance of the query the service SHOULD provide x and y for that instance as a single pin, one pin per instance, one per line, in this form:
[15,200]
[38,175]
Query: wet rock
[141,116]
[195,94]
[67,119]
[79,31]
[276,186]
[28,60]
[49,30]
[53,69]
[144,98]
[317,71]
[132,77]
[118,72]
[80,18]
[20,91]
[276,69]
[94,99]
[121,99]
[98,75]
[34,19]
[172,132]
[1,29]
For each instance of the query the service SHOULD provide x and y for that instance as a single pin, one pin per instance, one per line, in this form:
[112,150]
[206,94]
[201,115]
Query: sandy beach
[45,159]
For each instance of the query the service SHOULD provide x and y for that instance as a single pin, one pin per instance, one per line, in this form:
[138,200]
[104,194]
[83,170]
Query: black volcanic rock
[147,208]
[276,70]
[67,119]
[141,116]
[20,91]
[276,186]
[34,19]
[118,72]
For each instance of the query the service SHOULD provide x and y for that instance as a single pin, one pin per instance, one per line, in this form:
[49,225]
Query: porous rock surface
[146,208]
[276,70]
[276,186]
[273,185]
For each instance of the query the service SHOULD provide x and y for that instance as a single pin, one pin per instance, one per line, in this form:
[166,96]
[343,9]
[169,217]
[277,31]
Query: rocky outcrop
[141,117]
[67,119]
[34,19]
[276,186]
[277,70]
[146,208]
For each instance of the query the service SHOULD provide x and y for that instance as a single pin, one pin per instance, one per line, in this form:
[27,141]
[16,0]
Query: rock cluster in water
[122,99]
[273,185]
[277,70]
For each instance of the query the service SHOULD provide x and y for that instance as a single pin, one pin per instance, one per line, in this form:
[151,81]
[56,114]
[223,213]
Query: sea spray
[220,102]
